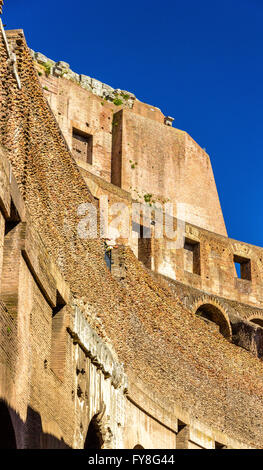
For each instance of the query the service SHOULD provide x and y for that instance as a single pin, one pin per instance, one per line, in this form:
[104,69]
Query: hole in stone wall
[144,244]
[238,270]
[215,318]
[7,433]
[82,145]
[107,256]
[192,256]
[94,438]
[243,267]
[257,321]
[181,425]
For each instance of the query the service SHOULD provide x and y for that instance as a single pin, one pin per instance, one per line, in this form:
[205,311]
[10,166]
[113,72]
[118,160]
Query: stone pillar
[182,437]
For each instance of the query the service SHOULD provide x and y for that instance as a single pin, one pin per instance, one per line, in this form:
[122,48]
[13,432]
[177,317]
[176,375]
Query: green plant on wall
[133,164]
[125,97]
[47,67]
[117,101]
[148,198]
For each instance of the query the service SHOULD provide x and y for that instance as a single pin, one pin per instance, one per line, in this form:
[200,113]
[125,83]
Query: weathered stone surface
[62,69]
[85,81]
[42,59]
[62,64]
[123,351]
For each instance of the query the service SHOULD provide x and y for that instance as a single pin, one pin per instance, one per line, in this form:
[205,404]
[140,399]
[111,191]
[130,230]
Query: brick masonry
[123,349]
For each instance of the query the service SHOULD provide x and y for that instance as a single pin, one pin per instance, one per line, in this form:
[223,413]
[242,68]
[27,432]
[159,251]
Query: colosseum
[145,339]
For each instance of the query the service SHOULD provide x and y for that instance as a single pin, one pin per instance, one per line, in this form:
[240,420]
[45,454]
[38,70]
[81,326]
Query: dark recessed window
[243,267]
[192,256]
[144,243]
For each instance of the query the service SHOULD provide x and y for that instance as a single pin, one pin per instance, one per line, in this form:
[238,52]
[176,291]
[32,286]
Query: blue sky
[198,61]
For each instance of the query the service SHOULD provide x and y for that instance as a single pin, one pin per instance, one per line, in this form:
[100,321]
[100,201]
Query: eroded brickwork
[134,149]
[121,355]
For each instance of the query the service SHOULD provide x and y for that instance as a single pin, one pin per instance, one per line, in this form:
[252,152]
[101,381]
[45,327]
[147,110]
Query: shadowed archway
[212,314]
[7,432]
[94,438]
[257,321]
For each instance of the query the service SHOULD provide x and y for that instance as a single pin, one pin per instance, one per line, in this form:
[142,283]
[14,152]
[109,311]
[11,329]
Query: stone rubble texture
[123,347]
[98,88]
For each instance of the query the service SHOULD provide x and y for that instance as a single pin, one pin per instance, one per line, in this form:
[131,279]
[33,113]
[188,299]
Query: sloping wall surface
[153,334]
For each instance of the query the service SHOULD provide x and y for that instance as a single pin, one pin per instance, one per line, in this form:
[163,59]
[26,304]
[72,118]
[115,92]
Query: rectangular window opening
[82,145]
[107,256]
[243,267]
[145,246]
[238,270]
[192,256]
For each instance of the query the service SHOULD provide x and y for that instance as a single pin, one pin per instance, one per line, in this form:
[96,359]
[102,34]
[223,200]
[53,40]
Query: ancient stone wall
[55,376]
[213,267]
[132,320]
[133,147]
[166,165]
[216,273]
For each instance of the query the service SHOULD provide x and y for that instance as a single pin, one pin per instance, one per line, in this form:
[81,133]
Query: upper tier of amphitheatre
[124,348]
[128,151]
[134,146]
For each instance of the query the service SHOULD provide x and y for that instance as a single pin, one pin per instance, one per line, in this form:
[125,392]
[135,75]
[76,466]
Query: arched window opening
[213,315]
[257,321]
[138,446]
[94,438]
[7,433]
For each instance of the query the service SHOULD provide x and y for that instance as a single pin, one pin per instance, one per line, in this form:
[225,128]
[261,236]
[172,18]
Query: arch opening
[214,316]
[94,439]
[138,446]
[7,432]
[257,321]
